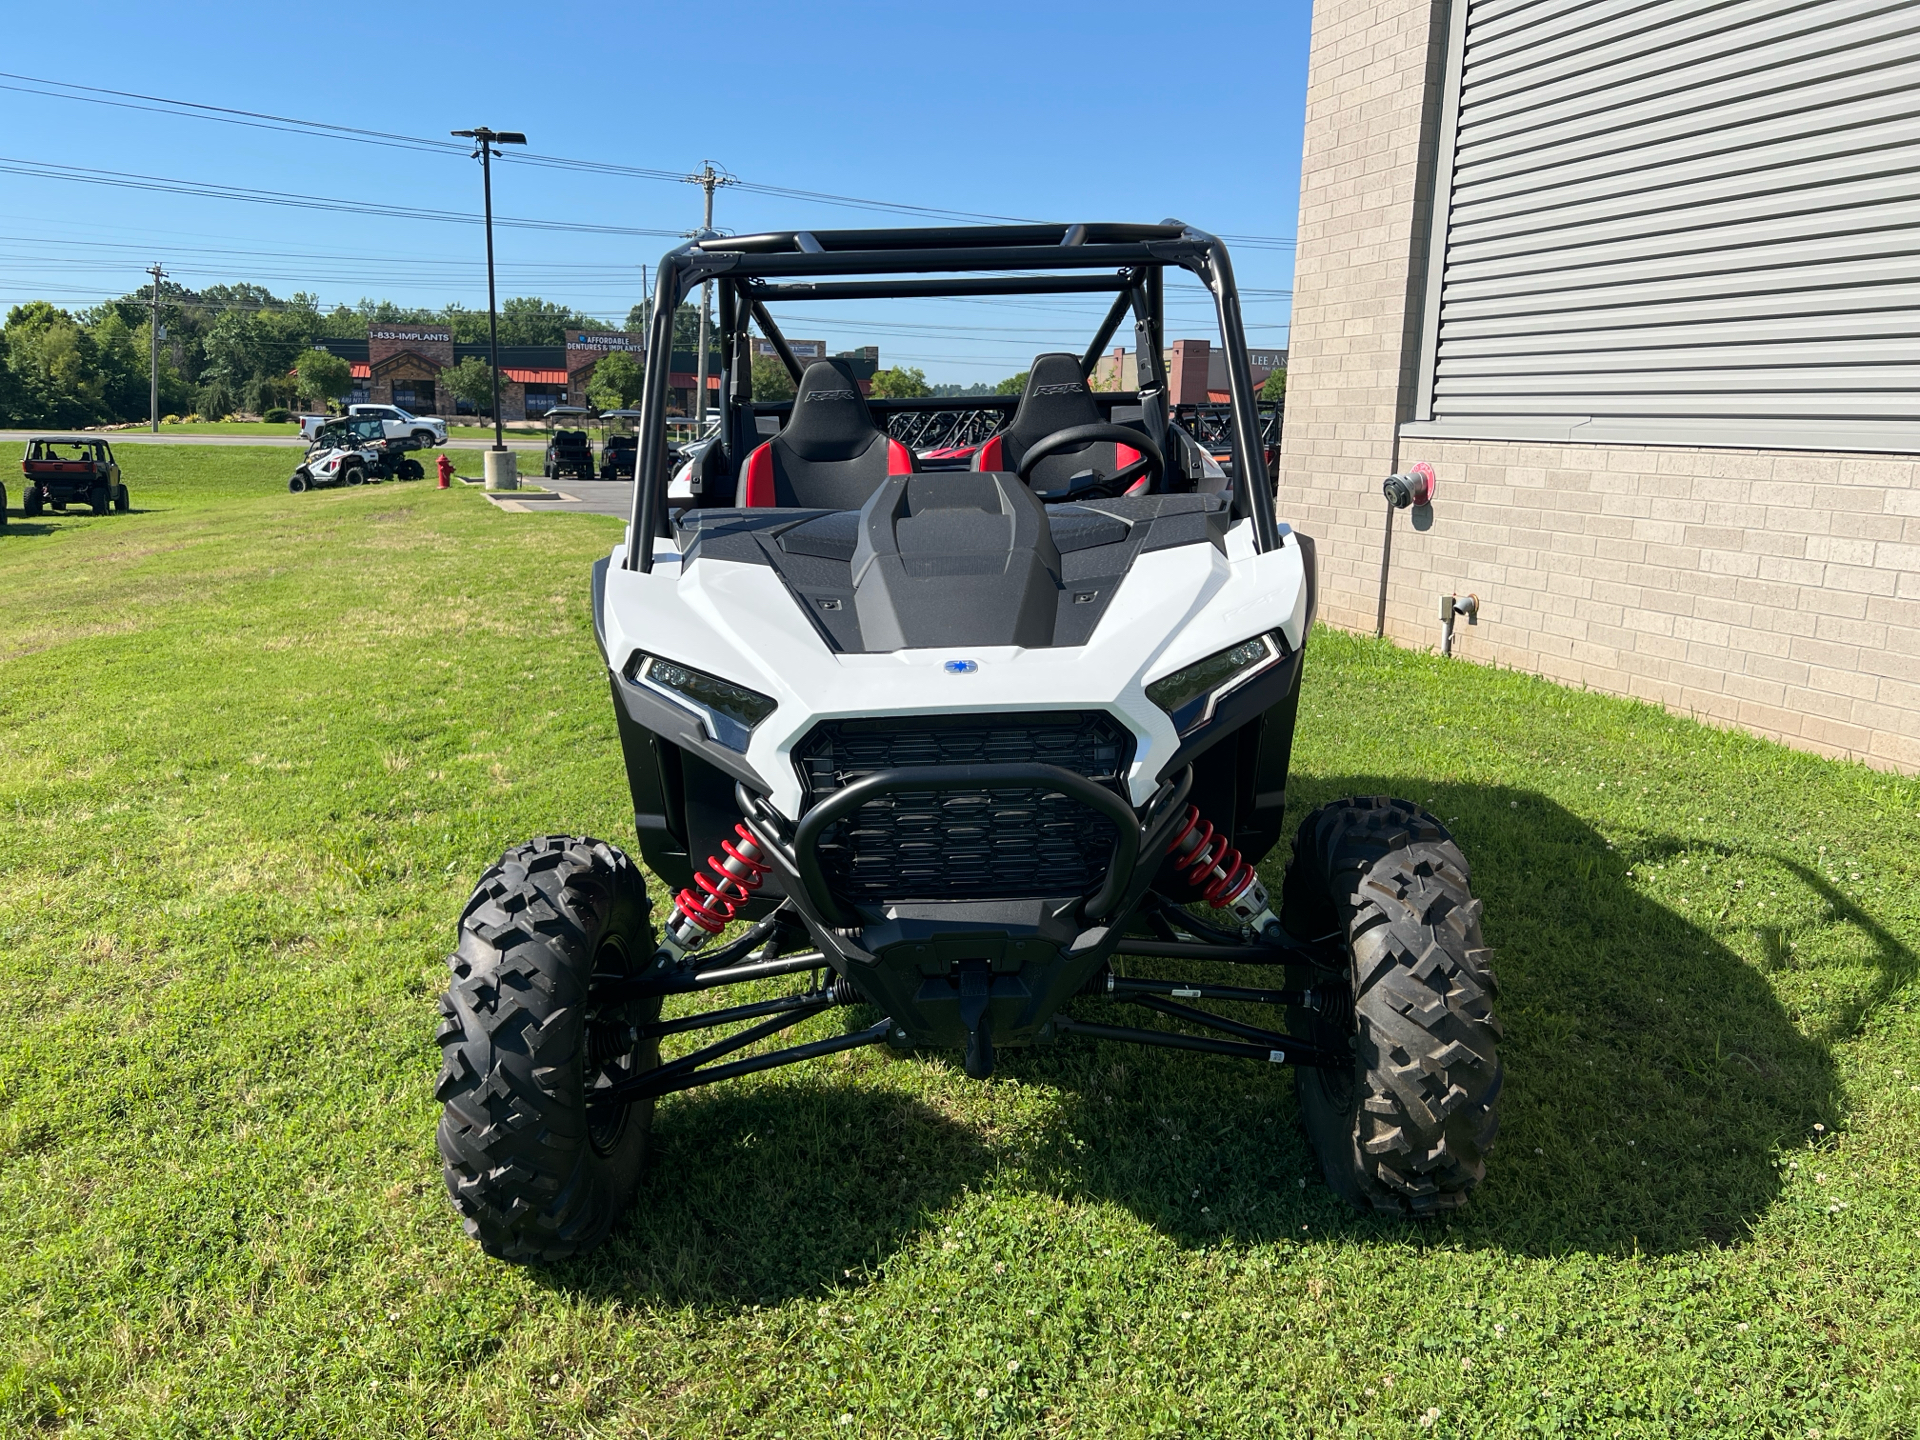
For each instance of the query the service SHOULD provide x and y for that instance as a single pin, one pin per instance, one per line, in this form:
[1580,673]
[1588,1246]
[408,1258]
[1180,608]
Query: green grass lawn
[258,747]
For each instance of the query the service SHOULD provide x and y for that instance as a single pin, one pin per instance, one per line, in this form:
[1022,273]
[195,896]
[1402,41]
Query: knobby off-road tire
[524,1042]
[122,502]
[353,475]
[30,503]
[1408,1128]
[100,500]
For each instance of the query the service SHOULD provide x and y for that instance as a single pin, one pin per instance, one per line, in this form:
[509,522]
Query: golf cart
[353,450]
[63,470]
[979,749]
[618,445]
[569,451]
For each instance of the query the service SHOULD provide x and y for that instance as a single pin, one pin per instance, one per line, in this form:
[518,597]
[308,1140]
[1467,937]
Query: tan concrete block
[1848,631]
[1850,683]
[1768,667]
[1896,749]
[1861,579]
[1833,655]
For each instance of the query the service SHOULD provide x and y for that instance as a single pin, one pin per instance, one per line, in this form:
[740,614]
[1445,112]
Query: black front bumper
[948,971]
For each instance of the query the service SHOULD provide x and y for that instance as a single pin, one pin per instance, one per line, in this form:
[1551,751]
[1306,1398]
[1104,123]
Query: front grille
[966,844]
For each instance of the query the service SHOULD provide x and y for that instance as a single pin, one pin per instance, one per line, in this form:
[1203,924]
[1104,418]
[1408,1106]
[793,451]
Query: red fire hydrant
[445,468]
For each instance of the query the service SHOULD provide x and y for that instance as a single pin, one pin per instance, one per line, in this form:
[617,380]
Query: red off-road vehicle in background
[69,470]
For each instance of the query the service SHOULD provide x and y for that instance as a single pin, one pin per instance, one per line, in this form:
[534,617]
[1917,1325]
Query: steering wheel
[1150,464]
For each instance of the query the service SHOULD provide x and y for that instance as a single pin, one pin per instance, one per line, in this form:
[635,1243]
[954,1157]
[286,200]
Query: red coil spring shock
[735,880]
[1226,881]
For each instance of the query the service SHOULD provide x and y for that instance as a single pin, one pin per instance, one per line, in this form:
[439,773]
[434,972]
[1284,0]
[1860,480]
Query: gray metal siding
[1678,222]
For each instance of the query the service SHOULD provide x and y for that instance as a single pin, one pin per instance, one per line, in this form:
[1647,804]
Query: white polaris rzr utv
[973,746]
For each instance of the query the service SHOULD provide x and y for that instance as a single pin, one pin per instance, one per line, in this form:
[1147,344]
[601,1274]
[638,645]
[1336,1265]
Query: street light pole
[484,141]
[153,392]
[708,179]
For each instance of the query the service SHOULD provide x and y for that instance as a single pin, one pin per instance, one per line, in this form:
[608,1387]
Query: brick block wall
[1774,590]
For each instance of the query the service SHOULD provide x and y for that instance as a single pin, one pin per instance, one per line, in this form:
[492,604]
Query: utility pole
[153,391]
[484,141]
[708,179]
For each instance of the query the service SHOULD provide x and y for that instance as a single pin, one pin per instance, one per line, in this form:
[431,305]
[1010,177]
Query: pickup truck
[63,470]
[419,431]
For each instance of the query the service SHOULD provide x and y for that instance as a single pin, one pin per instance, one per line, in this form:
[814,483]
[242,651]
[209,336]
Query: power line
[128,180]
[190,109]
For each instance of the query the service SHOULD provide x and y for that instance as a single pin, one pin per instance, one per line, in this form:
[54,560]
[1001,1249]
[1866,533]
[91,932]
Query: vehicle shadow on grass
[762,1194]
[1650,1071]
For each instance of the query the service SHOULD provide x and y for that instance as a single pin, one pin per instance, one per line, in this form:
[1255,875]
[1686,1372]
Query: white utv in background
[976,746]
[416,431]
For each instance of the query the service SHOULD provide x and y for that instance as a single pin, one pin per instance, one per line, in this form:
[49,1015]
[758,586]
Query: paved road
[294,442]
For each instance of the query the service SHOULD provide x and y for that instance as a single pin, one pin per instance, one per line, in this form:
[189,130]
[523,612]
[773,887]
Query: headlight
[728,711]
[1189,695]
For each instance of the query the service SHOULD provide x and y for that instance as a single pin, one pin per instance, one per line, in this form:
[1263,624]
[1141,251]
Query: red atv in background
[68,470]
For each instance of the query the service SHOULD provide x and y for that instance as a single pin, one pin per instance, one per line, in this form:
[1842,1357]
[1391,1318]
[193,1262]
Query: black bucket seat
[1056,398]
[829,455]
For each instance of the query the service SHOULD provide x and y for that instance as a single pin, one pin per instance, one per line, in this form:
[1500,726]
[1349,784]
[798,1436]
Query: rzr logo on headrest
[1073,389]
[834,395]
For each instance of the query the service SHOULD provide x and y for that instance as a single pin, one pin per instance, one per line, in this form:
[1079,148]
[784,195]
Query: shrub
[277,416]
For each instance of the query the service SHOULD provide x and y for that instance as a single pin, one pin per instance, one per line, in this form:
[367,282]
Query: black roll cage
[753,270]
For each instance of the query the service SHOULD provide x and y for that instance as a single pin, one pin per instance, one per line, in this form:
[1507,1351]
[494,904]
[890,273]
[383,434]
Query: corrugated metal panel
[1683,221]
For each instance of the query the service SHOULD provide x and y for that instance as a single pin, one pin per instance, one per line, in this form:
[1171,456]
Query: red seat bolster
[759,477]
[1123,456]
[990,456]
[899,458]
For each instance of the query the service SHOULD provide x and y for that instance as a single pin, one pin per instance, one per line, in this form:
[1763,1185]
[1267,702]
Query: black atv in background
[569,452]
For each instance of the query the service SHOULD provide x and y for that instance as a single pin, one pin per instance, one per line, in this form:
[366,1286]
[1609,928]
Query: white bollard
[503,471]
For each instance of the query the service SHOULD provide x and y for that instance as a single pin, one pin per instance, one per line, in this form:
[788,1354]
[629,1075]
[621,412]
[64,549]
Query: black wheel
[30,502]
[100,500]
[299,483]
[121,502]
[353,475]
[528,1036]
[3,507]
[1408,1127]
[412,470]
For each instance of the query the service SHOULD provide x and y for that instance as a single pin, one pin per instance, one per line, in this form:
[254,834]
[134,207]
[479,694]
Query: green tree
[1013,384]
[322,376]
[1275,387]
[618,381]
[529,320]
[55,365]
[472,381]
[770,379]
[903,382]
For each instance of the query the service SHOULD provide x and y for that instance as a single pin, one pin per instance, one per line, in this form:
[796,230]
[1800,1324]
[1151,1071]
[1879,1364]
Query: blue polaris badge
[962,667]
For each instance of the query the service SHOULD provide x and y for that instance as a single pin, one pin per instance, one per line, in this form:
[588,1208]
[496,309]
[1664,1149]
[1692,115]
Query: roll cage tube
[1134,255]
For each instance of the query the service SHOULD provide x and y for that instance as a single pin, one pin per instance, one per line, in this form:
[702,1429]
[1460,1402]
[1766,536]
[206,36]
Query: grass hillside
[257,748]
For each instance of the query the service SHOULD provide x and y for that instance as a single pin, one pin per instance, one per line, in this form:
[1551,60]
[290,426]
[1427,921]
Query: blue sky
[1049,112]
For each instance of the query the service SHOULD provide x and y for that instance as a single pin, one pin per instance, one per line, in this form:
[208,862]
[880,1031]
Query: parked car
[63,470]
[419,431]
